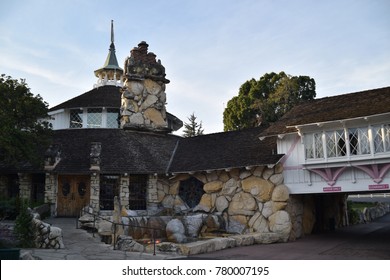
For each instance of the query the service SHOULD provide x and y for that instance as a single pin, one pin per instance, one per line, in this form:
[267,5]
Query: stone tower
[143,93]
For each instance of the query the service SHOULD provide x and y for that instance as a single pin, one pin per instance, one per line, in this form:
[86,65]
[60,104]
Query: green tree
[193,128]
[25,131]
[265,100]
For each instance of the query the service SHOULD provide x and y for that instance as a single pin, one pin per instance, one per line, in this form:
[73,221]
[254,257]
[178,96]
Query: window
[335,143]
[359,141]
[94,118]
[76,118]
[381,135]
[347,142]
[109,188]
[191,191]
[137,192]
[314,146]
[112,118]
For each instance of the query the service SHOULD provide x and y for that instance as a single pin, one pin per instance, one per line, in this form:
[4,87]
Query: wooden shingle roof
[135,152]
[122,151]
[223,151]
[340,107]
[105,96]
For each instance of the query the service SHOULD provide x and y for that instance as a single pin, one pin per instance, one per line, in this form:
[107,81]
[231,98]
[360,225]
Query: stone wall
[51,188]
[124,189]
[95,192]
[152,193]
[316,213]
[249,200]
[24,185]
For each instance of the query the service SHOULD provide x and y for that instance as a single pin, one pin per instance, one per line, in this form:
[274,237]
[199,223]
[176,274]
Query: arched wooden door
[73,194]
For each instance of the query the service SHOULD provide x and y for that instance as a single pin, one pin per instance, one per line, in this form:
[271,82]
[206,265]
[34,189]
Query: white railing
[369,195]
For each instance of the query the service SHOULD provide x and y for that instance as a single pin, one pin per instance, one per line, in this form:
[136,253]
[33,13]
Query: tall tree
[265,100]
[192,128]
[25,131]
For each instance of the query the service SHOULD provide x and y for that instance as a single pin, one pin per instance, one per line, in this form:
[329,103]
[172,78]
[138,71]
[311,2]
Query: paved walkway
[364,241]
[81,245]
[369,241]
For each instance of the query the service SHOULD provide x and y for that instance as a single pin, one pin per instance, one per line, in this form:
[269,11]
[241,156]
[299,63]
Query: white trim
[341,121]
[56,112]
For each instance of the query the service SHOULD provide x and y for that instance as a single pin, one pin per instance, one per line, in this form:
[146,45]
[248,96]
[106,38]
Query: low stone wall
[369,214]
[45,235]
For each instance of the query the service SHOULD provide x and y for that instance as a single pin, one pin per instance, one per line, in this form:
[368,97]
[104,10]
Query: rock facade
[45,235]
[143,93]
[247,200]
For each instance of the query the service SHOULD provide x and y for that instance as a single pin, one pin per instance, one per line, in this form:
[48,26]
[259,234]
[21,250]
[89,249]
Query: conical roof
[111,60]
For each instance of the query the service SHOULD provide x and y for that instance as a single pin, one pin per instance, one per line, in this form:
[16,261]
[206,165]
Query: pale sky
[208,47]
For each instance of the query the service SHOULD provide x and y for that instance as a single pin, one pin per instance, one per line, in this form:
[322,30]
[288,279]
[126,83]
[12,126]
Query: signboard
[331,189]
[378,187]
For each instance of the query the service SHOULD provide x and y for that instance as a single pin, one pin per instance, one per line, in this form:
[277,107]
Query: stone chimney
[143,93]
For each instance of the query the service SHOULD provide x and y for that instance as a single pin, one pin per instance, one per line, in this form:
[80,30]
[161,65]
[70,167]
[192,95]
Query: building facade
[116,141]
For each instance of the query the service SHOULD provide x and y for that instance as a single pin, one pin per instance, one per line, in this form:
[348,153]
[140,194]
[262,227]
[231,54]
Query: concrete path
[365,241]
[81,245]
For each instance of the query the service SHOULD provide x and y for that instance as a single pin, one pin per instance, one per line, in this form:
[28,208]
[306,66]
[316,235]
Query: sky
[209,48]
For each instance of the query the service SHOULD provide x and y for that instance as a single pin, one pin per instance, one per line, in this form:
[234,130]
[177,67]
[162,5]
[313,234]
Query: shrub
[23,226]
[9,208]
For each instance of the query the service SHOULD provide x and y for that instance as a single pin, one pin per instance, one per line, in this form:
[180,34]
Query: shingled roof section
[122,151]
[223,151]
[105,96]
[345,106]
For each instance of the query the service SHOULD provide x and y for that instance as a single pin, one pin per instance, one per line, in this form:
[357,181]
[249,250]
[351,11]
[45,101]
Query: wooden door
[73,194]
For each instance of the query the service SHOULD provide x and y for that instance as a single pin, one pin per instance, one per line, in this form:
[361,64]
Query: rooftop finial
[110,73]
[112,31]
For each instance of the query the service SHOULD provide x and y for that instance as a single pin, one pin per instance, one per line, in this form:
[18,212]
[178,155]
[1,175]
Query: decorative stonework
[51,189]
[143,94]
[24,185]
[95,192]
[248,200]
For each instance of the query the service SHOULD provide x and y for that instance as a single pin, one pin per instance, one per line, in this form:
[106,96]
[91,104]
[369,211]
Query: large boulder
[280,223]
[280,193]
[176,231]
[237,224]
[260,188]
[205,204]
[212,187]
[258,223]
[242,204]
[193,224]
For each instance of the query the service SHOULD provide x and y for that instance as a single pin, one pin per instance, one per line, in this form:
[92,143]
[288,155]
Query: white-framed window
[381,136]
[94,118]
[112,118]
[335,143]
[76,118]
[314,146]
[357,141]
